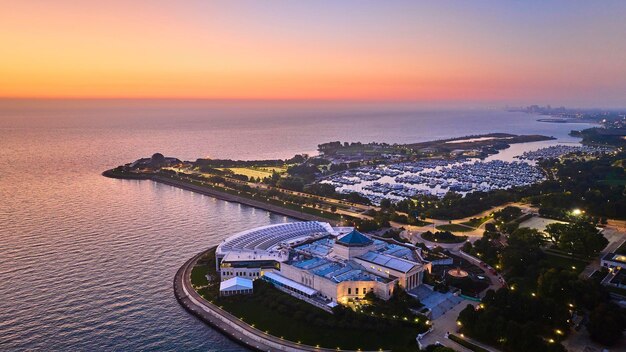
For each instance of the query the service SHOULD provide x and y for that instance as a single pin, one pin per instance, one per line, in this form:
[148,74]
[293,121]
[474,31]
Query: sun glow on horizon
[396,50]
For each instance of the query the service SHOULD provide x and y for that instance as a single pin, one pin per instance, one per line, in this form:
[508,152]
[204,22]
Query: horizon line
[485,104]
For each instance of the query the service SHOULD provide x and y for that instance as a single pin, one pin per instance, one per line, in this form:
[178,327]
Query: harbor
[462,175]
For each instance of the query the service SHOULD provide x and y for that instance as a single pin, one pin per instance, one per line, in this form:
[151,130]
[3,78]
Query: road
[447,324]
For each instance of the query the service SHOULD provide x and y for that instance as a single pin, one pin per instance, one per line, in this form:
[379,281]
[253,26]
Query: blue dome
[355,238]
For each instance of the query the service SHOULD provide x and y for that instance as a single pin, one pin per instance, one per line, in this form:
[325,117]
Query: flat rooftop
[388,261]
[337,271]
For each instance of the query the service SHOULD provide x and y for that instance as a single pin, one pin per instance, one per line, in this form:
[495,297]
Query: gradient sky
[479,52]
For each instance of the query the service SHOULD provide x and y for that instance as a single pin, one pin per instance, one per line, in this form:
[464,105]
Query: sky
[476,52]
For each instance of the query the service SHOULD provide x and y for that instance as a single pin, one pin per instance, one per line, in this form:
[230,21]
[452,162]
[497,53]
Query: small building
[236,286]
[614,261]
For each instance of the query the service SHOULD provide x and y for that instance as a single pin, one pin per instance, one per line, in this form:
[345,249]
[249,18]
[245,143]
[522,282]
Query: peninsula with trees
[528,260]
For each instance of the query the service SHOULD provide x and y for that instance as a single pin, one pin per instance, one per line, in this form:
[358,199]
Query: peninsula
[393,236]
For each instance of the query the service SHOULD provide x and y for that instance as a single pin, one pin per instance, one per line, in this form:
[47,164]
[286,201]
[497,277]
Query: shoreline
[226,323]
[221,196]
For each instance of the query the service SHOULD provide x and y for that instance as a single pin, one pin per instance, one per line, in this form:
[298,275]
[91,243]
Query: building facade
[332,265]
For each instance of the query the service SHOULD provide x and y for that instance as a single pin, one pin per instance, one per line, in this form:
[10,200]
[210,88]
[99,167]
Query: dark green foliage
[521,257]
[515,321]
[507,214]
[293,184]
[354,197]
[303,171]
[606,324]
[399,305]
[580,238]
[443,237]
[320,189]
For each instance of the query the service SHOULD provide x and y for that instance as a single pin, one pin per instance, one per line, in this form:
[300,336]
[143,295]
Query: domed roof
[355,238]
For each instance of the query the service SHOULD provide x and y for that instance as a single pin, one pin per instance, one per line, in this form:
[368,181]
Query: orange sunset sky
[559,52]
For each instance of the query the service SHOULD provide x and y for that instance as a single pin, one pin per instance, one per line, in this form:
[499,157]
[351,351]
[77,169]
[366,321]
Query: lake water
[87,262]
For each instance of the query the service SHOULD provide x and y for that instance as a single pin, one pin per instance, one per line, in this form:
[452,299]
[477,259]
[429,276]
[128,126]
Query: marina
[560,150]
[461,175]
[434,177]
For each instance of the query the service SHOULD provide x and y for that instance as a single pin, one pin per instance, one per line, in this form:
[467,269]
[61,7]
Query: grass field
[453,228]
[271,169]
[476,222]
[198,275]
[284,316]
[256,173]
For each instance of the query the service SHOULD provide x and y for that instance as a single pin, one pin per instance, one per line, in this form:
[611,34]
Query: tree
[581,238]
[555,232]
[521,257]
[385,203]
[333,208]
[290,183]
[606,324]
[557,284]
[507,214]
[321,189]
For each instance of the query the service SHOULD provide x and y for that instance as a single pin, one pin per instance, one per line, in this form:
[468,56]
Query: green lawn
[282,315]
[476,222]
[454,228]
[198,275]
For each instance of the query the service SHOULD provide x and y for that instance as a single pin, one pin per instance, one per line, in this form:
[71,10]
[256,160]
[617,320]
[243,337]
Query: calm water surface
[86,262]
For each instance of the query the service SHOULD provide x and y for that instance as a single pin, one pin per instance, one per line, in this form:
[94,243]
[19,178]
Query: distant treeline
[249,163]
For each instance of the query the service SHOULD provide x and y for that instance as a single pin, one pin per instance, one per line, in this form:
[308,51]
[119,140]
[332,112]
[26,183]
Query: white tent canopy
[235,285]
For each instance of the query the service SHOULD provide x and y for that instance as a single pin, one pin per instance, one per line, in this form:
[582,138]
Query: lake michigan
[87,262]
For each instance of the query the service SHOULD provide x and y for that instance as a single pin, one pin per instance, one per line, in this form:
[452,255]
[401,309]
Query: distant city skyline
[487,53]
